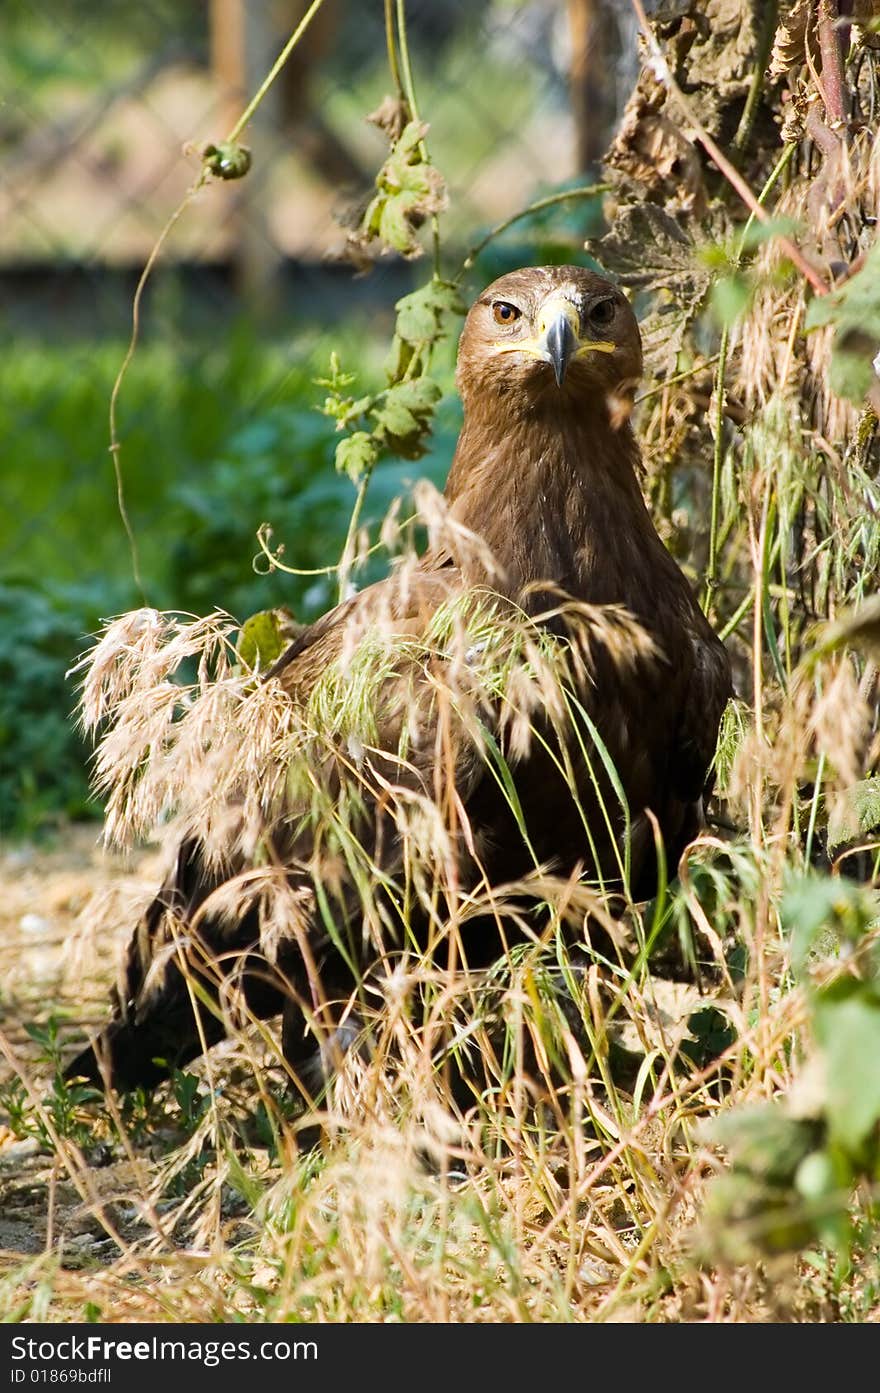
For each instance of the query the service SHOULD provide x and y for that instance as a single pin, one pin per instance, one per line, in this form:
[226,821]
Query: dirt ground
[66,909]
[58,948]
[59,903]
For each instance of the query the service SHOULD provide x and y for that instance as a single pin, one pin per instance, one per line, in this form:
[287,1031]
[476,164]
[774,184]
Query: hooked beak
[559,338]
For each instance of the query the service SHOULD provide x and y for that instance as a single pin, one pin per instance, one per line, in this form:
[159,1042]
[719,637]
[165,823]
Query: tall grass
[660,1111]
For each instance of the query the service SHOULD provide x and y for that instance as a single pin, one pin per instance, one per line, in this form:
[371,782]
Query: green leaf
[415,181]
[740,1214]
[420,314]
[404,415]
[416,317]
[731,296]
[372,217]
[852,372]
[393,226]
[824,1180]
[761,232]
[854,310]
[356,455]
[846,1022]
[816,1176]
[813,904]
[765,1141]
[412,133]
[419,395]
[396,419]
[712,1034]
[186,1092]
[337,380]
[262,640]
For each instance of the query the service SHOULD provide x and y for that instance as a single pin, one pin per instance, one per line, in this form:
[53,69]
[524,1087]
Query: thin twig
[346,561]
[115,444]
[391,47]
[832,62]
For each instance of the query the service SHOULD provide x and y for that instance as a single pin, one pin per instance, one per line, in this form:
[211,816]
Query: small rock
[594,1272]
[80,1242]
[18,1151]
[20,858]
[34,924]
[100,1155]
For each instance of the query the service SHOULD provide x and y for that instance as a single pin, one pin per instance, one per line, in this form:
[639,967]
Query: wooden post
[591,79]
[227,56]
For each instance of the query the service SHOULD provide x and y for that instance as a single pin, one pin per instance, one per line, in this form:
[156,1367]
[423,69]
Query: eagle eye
[602,313]
[505,313]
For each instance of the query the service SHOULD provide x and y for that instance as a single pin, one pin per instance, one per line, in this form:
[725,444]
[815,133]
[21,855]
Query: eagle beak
[558,336]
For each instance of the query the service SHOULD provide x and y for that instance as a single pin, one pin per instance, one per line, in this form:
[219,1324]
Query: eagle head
[554,335]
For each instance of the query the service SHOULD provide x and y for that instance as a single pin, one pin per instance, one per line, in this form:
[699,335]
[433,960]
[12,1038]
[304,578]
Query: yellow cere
[537,347]
[554,307]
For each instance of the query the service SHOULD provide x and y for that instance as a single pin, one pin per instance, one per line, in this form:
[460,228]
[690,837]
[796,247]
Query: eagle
[544,560]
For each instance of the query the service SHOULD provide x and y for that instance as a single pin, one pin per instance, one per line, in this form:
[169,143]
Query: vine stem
[765,45]
[409,91]
[731,174]
[200,182]
[400,65]
[405,65]
[593,191]
[833,84]
[391,46]
[346,561]
[115,444]
[276,564]
[282,58]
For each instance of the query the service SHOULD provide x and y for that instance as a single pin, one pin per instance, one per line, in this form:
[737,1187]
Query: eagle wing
[203,927]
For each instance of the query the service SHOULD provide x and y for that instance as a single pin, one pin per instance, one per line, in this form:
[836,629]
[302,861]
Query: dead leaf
[391,116]
[651,150]
[648,250]
[789,45]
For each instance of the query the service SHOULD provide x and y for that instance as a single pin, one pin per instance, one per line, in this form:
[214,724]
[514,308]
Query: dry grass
[521,1143]
[537,1141]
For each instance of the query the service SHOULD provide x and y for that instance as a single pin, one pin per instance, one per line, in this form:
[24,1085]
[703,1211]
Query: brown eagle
[545,531]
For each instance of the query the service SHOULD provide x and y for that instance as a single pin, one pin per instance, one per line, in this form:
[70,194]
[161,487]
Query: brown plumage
[545,512]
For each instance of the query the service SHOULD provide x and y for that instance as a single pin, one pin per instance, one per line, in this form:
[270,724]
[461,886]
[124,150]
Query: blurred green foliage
[42,757]
[217,438]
